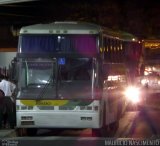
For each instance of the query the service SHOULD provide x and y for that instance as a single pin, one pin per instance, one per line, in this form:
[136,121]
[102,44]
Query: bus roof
[62,28]
[75,27]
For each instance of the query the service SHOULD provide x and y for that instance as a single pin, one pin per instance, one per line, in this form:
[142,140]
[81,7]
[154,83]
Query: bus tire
[101,132]
[113,127]
[31,131]
[20,132]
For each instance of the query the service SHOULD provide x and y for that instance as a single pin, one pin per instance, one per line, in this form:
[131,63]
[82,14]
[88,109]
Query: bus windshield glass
[75,69]
[37,73]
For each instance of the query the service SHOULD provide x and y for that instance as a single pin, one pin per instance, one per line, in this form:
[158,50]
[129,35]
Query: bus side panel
[115,106]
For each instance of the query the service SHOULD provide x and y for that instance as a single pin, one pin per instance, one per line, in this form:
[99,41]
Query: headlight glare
[132,94]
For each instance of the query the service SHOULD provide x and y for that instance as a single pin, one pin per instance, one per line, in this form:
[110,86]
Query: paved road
[143,123]
[140,124]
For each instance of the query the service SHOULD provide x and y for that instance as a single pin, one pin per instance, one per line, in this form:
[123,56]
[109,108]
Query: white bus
[62,77]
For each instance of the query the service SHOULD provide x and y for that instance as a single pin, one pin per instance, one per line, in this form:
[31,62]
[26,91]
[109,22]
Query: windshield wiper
[44,89]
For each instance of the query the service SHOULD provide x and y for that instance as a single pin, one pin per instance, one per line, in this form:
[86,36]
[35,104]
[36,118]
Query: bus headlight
[23,107]
[132,94]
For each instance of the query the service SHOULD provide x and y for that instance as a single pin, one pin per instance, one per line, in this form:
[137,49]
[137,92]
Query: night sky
[140,17]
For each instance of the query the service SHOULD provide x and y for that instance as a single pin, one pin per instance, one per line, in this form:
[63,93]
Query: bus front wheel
[31,131]
[100,132]
[20,132]
[114,127]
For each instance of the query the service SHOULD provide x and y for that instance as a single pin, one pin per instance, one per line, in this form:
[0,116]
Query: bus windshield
[57,78]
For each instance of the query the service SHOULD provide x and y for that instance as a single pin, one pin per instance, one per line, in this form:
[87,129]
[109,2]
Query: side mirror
[13,70]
